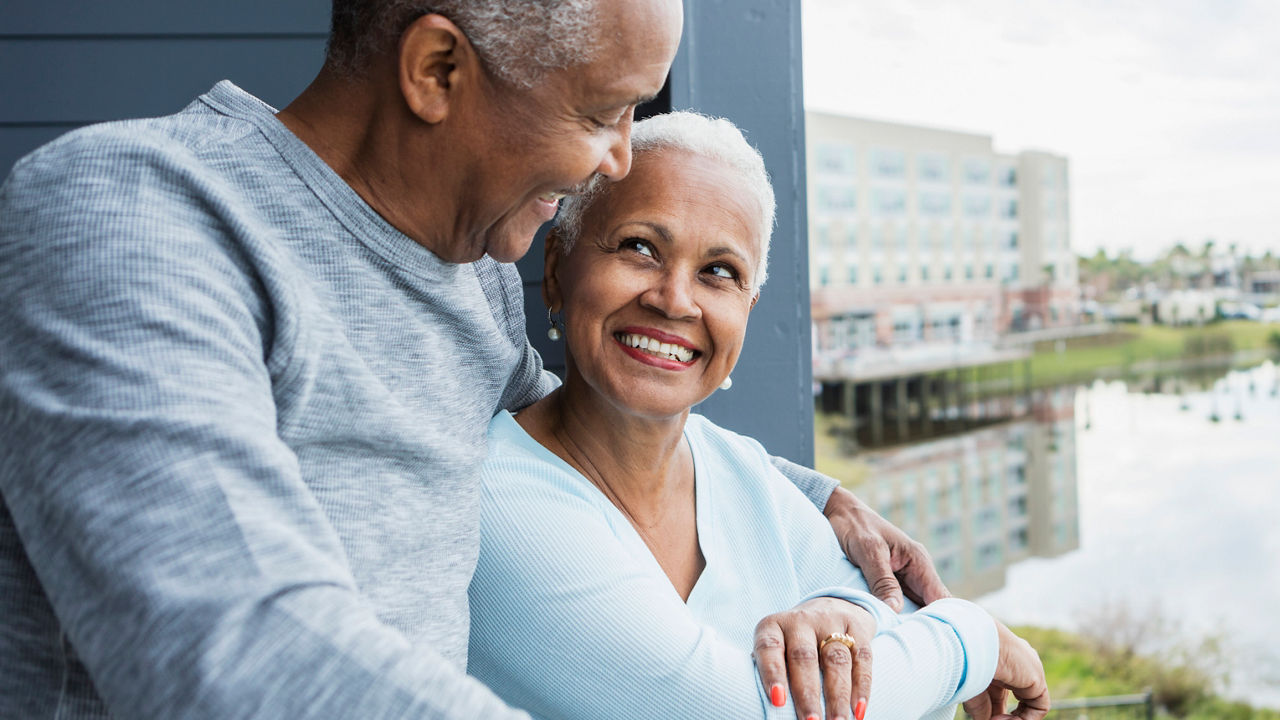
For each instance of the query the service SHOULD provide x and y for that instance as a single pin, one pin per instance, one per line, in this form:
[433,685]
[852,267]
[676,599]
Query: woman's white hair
[716,139]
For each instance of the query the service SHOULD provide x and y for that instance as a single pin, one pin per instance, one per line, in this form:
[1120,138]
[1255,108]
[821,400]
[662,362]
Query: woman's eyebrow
[720,250]
[660,230]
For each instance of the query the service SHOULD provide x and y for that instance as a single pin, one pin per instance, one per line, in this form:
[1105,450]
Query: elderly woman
[633,554]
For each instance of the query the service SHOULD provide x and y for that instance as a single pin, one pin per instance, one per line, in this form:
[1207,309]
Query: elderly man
[249,359]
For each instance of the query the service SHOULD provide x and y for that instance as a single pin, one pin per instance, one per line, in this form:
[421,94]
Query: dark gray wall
[740,59]
[66,64]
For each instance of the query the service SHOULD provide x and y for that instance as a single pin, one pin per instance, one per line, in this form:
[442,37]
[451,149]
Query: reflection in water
[1157,494]
[1178,502]
[988,497]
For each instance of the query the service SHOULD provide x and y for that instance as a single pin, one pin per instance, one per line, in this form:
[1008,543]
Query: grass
[1142,346]
[1182,682]
[828,457]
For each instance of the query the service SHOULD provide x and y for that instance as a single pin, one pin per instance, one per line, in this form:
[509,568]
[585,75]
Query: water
[1109,499]
[1178,516]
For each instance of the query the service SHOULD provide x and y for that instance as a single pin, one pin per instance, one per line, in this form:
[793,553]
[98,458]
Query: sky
[1169,111]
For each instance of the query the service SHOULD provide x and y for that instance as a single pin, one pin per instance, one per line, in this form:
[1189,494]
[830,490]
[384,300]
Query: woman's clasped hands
[824,646]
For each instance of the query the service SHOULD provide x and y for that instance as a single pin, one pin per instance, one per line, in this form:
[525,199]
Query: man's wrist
[843,500]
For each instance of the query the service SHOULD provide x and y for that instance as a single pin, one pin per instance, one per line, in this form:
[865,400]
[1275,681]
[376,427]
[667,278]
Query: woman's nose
[673,296]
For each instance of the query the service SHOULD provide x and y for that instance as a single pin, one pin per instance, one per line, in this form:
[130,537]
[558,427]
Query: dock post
[877,413]
[903,409]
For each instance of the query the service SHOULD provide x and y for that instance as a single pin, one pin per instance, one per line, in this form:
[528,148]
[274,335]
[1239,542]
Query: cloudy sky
[1169,111]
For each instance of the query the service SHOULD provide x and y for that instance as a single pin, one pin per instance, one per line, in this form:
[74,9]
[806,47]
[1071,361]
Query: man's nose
[616,162]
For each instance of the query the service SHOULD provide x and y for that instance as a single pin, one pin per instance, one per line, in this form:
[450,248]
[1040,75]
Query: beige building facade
[924,243]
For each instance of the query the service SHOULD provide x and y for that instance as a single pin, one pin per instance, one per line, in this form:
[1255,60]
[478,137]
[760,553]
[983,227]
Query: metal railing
[1116,707]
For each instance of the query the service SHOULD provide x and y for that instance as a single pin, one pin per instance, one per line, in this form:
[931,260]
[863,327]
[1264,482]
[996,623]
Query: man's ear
[434,58]
[550,266]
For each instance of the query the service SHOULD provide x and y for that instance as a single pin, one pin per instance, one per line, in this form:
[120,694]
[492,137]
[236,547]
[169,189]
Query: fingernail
[777,696]
[860,710]
[812,717]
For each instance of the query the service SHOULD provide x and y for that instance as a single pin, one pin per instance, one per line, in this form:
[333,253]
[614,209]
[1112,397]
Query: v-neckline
[701,509]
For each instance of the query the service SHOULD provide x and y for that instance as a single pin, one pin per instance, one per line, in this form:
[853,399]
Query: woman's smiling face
[657,289]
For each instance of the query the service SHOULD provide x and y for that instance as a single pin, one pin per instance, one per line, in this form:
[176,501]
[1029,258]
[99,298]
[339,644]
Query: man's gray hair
[713,138]
[518,41]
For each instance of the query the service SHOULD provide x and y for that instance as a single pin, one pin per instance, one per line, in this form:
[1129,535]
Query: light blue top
[572,617]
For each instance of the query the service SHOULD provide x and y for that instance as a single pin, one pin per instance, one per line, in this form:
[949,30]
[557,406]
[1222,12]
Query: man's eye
[607,121]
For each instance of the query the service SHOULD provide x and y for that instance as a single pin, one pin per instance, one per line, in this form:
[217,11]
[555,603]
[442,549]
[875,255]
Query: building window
[946,273]
[931,167]
[824,276]
[891,201]
[888,163]
[852,275]
[877,276]
[836,199]
[977,171]
[836,159]
[822,235]
[977,206]
[968,272]
[991,271]
[1011,240]
[935,204]
[877,237]
[902,274]
[1010,209]
[924,273]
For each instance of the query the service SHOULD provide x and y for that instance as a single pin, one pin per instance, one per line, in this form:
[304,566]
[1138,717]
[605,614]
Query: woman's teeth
[675,352]
[551,197]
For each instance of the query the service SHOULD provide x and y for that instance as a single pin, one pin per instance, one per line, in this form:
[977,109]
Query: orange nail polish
[812,717]
[860,710]
[777,696]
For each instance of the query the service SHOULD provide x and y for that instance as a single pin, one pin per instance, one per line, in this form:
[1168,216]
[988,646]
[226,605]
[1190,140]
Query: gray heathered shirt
[243,418]
[241,423]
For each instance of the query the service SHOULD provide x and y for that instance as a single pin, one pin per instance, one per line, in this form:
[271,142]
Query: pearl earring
[554,331]
[728,383]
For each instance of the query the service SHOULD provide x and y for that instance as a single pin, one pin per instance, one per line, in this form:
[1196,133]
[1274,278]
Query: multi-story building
[926,242]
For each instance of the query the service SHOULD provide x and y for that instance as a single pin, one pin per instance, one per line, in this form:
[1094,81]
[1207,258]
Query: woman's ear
[550,271]
[435,58]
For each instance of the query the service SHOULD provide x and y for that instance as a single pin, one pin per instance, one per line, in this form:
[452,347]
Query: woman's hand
[891,561]
[1018,670]
[787,645]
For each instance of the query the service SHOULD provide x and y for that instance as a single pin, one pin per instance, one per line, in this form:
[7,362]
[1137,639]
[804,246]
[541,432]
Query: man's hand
[891,561]
[1018,670]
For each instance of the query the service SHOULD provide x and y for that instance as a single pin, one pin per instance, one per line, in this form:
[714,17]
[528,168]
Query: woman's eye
[638,245]
[723,271]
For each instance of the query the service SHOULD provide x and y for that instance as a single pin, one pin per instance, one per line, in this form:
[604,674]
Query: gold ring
[842,638]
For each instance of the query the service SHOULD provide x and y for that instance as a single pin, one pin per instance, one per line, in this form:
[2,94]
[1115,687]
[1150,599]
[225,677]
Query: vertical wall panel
[741,59]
